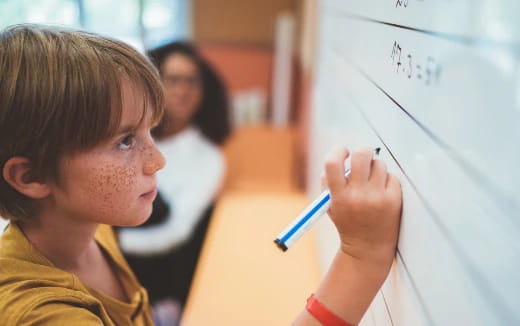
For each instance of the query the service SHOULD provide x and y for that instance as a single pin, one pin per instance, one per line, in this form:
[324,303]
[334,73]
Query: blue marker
[307,218]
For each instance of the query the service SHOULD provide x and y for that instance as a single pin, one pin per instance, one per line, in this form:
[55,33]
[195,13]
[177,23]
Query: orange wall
[238,21]
[241,66]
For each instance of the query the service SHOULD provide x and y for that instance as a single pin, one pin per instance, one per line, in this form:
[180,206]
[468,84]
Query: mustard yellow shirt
[35,292]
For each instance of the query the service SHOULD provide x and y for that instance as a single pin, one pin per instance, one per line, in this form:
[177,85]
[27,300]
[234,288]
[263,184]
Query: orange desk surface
[242,278]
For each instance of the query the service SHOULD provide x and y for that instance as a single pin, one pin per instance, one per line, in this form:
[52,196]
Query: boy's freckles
[113,179]
[113,189]
[112,186]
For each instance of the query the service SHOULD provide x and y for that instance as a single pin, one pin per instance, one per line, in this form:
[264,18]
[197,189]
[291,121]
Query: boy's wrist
[379,257]
[352,282]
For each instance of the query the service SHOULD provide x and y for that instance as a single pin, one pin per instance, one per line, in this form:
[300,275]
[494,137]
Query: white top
[188,183]
[3,224]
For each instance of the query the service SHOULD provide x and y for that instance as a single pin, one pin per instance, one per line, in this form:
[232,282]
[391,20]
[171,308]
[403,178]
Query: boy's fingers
[360,166]
[323,181]
[378,173]
[393,184]
[335,168]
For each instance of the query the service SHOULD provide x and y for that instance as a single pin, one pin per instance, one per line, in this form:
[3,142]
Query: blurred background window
[141,23]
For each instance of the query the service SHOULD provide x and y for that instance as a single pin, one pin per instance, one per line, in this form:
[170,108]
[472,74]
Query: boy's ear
[18,173]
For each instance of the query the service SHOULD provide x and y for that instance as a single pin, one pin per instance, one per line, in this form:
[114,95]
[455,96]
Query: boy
[76,155]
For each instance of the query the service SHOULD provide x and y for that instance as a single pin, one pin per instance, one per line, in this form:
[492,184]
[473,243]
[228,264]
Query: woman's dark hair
[212,115]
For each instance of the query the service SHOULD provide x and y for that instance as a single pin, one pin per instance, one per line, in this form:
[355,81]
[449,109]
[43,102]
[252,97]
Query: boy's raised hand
[365,207]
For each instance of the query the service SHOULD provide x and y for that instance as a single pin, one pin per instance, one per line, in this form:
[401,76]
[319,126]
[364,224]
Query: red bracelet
[322,314]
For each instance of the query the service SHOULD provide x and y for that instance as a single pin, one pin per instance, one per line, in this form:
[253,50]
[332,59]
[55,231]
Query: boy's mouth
[150,195]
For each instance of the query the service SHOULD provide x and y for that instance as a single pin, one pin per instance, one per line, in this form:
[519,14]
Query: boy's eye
[126,143]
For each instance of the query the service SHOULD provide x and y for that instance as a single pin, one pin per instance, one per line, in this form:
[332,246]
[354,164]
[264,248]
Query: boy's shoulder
[32,290]
[42,301]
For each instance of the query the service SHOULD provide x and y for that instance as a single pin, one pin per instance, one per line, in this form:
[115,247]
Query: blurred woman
[164,251]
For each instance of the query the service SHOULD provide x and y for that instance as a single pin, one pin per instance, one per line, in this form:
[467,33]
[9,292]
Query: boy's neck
[66,244]
[71,247]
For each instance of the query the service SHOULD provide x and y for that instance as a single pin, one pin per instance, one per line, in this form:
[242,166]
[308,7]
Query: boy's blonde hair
[60,92]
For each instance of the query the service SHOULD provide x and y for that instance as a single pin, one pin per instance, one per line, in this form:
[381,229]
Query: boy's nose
[155,161]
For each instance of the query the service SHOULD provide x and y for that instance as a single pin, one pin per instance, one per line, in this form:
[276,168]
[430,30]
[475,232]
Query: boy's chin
[141,221]
[135,221]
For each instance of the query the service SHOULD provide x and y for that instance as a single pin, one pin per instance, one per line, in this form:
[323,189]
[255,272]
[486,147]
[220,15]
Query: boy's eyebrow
[126,129]
[132,128]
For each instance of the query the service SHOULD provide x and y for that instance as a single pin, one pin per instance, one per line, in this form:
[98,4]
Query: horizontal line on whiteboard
[488,293]
[466,40]
[503,199]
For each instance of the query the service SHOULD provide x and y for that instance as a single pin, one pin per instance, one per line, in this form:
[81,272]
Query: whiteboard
[436,84]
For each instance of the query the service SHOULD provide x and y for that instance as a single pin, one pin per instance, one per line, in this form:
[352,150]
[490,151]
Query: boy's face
[114,183]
